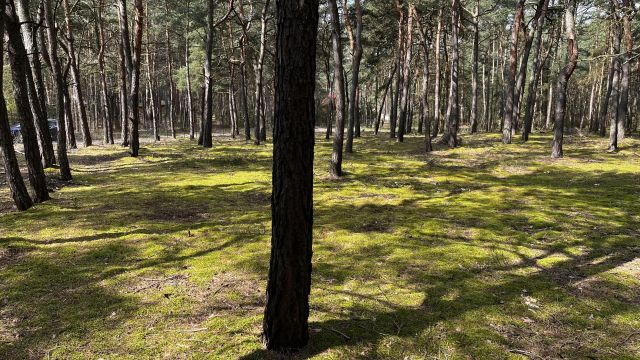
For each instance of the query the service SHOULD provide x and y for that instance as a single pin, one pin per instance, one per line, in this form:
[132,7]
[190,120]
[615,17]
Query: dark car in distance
[16,135]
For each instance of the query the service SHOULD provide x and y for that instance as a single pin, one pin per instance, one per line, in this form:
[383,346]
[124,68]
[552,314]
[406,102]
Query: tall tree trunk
[172,87]
[406,74]
[75,76]
[287,310]
[335,169]
[20,71]
[259,119]
[106,114]
[124,104]
[509,95]
[207,140]
[355,41]
[436,90]
[563,80]
[625,70]
[474,70]
[376,127]
[450,136]
[192,124]
[424,105]
[16,184]
[134,87]
[63,160]
[39,104]
[537,68]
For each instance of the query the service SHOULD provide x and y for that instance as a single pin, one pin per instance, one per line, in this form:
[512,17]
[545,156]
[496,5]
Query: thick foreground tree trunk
[19,191]
[287,310]
[20,71]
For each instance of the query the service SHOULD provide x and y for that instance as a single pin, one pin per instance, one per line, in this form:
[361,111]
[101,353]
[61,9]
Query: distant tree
[287,310]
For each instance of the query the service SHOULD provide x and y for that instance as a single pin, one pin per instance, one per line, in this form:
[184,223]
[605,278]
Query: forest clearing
[483,251]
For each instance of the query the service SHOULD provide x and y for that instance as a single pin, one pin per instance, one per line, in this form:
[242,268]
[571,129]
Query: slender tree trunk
[63,160]
[287,310]
[384,101]
[538,26]
[356,50]
[563,80]
[450,136]
[406,74]
[335,169]
[134,88]
[259,119]
[207,140]
[424,112]
[474,70]
[436,91]
[172,87]
[511,76]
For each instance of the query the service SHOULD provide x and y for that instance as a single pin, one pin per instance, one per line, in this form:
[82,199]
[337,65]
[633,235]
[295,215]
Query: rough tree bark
[39,104]
[16,184]
[287,310]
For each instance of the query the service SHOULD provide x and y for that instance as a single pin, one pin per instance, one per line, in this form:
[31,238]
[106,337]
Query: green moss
[484,251]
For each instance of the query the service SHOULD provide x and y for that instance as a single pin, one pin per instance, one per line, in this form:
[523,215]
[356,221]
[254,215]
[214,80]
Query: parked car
[16,135]
[53,129]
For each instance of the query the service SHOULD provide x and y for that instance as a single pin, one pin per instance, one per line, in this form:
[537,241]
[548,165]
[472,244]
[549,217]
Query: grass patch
[485,251]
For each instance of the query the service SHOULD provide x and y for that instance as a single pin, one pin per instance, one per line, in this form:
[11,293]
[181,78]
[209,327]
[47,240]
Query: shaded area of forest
[472,252]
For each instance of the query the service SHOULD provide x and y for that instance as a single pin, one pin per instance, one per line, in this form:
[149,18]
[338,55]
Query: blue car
[16,135]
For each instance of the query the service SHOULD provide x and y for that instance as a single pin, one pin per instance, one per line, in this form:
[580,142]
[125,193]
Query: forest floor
[482,252]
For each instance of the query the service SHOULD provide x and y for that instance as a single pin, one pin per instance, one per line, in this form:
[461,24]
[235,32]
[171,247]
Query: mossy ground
[482,252]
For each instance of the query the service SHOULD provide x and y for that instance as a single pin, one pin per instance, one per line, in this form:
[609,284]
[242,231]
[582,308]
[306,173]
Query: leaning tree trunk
[287,310]
[335,169]
[56,68]
[537,70]
[563,81]
[39,104]
[19,72]
[16,184]
[509,95]
[134,87]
